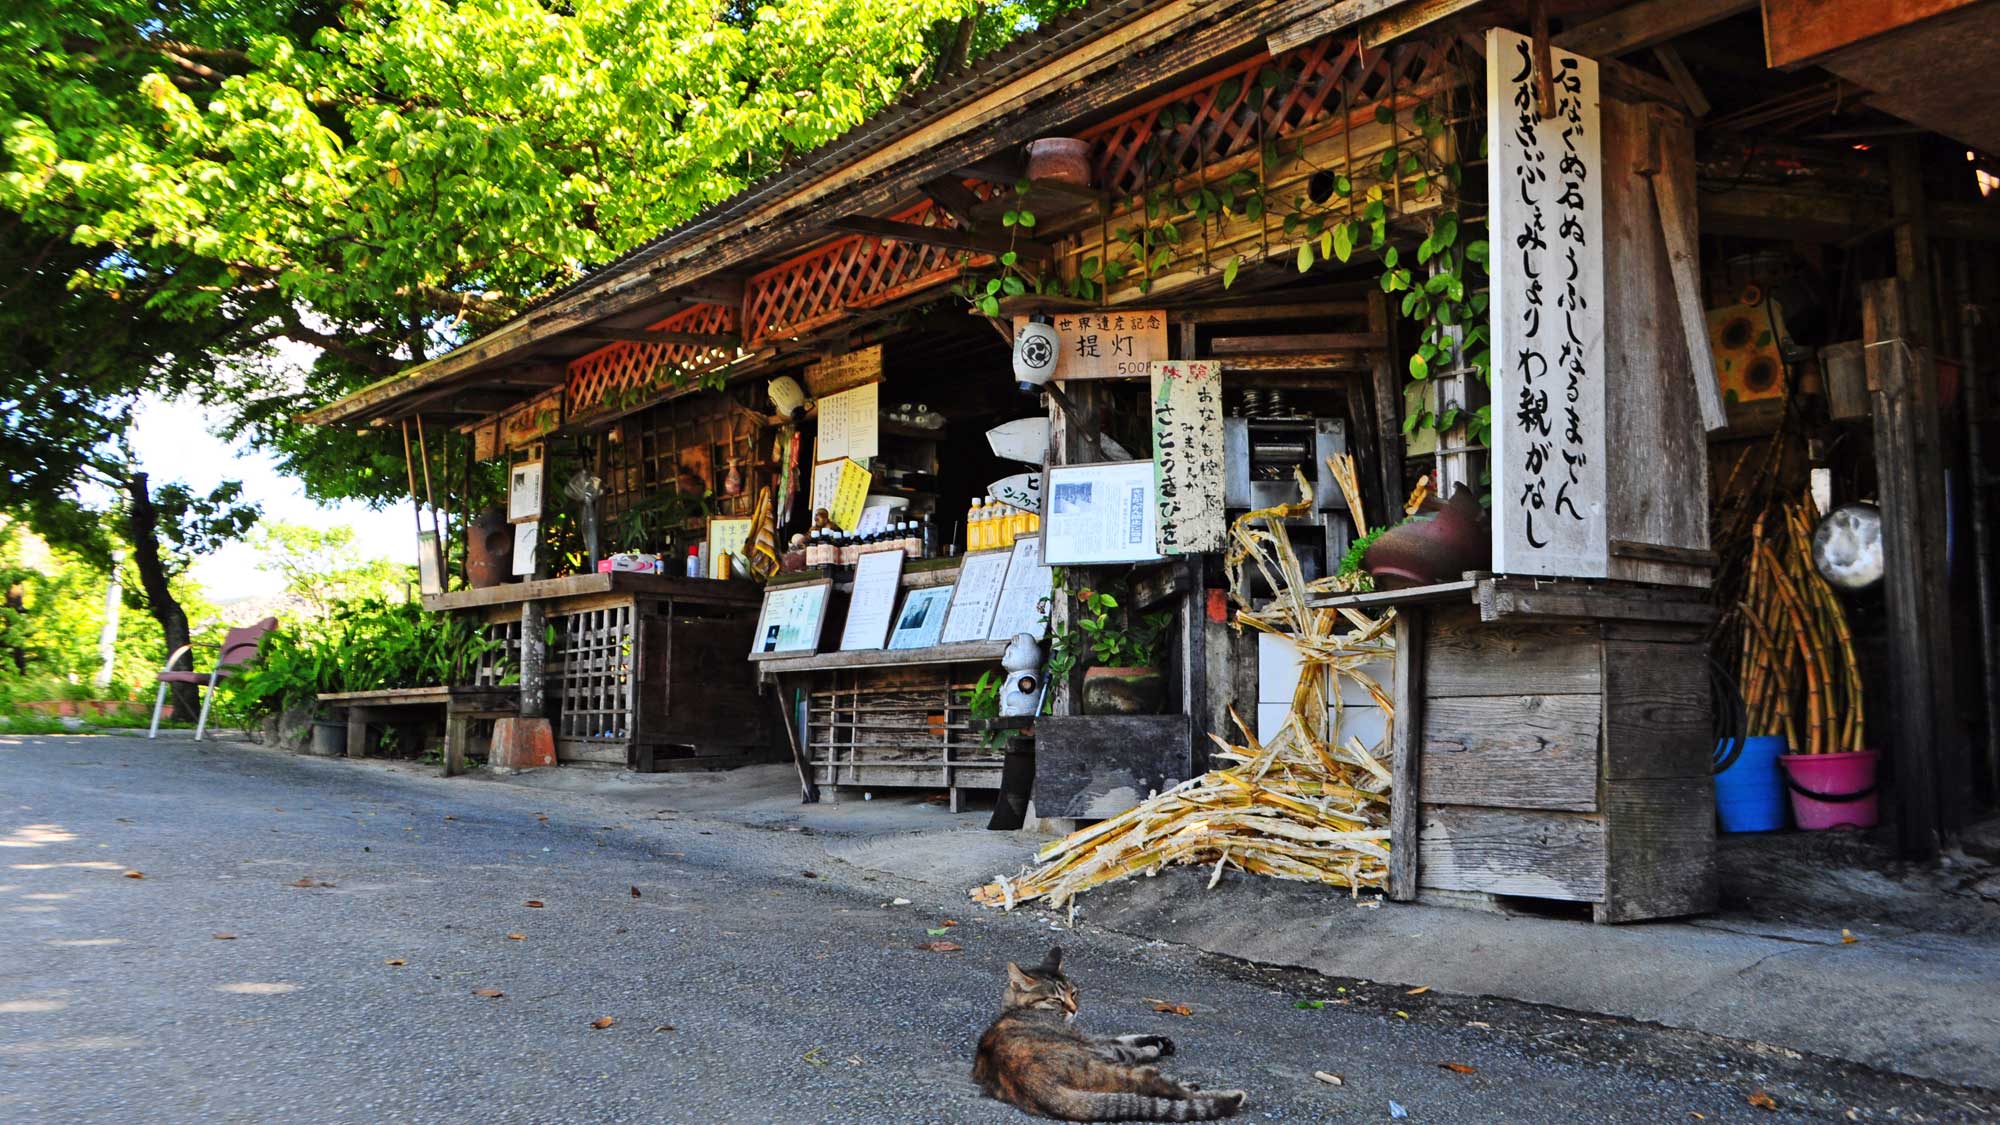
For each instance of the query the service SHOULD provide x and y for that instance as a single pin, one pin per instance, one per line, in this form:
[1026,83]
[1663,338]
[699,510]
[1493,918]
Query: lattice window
[618,376]
[594,692]
[698,436]
[893,727]
[1233,110]
[497,664]
[856,272]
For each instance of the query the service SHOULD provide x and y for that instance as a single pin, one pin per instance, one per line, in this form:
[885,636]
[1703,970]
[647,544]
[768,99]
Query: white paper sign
[825,484]
[1022,490]
[526,535]
[524,492]
[1100,513]
[874,602]
[1024,597]
[921,621]
[1187,455]
[1545,180]
[980,580]
[872,520]
[850,422]
[791,618]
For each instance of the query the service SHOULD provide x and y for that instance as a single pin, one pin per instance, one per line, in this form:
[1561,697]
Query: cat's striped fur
[1034,1058]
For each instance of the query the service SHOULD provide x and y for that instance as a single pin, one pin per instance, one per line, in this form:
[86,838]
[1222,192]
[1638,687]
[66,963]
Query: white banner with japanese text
[1187,455]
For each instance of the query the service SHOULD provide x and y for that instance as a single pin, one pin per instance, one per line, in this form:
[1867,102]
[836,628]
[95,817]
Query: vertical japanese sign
[1545,181]
[1109,344]
[1187,455]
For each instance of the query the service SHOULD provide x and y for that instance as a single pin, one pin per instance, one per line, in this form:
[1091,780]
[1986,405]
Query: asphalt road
[310,940]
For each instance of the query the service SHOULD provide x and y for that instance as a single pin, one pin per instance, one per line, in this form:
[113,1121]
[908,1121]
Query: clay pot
[489,550]
[1065,160]
[1431,547]
[1124,691]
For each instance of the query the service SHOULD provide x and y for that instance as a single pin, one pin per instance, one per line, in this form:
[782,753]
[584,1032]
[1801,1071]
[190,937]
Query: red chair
[239,647]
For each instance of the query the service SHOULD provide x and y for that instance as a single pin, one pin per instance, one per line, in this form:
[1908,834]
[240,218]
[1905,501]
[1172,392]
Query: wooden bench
[459,707]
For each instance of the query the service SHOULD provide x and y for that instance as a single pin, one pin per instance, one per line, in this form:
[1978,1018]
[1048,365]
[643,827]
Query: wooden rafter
[948,237]
[640,336]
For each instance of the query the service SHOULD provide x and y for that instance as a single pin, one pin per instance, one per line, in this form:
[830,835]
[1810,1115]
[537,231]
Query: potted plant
[1119,651]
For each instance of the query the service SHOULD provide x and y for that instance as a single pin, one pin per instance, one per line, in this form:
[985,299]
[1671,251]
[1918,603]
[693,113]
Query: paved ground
[750,979]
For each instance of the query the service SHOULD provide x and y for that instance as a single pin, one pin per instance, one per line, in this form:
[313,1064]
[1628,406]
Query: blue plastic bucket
[1749,791]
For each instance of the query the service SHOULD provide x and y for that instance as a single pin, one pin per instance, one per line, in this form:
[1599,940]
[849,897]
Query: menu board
[980,579]
[850,423]
[921,621]
[790,620]
[1024,597]
[1100,513]
[1187,455]
[876,575]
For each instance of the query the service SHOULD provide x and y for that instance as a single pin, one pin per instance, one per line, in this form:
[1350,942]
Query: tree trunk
[143,522]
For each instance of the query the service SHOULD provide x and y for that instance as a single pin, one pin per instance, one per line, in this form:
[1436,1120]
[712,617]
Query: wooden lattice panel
[856,272]
[616,376]
[594,693]
[879,728]
[1234,110]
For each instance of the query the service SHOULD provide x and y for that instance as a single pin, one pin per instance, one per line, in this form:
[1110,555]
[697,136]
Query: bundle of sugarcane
[1306,806]
[1796,650]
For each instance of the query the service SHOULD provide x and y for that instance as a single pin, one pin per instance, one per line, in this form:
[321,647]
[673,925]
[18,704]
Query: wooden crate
[876,728]
[1559,759]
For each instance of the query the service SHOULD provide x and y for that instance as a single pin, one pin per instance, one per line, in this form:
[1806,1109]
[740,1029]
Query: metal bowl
[1847,547]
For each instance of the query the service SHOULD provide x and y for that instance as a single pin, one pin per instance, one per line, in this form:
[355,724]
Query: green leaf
[1305,258]
[1343,185]
[1389,257]
[1229,271]
[1027,219]
[1419,367]
[1253,208]
[1326,244]
[1009,218]
[1384,115]
[1476,251]
[1013,285]
[1009,258]
[1343,241]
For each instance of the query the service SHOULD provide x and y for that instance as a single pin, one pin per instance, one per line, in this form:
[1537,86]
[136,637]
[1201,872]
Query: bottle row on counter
[991,524]
[829,548]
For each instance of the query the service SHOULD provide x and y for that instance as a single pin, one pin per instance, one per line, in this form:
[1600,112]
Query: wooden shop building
[1237,257]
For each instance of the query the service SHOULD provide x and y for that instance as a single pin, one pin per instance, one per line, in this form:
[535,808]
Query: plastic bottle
[694,562]
[974,527]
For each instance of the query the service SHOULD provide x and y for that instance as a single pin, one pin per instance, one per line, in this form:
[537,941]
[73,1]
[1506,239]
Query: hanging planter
[1833,790]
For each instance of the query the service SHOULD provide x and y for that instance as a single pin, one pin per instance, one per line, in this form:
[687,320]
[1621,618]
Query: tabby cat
[1034,1058]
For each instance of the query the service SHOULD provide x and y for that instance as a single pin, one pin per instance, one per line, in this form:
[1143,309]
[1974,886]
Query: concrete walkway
[1897,998]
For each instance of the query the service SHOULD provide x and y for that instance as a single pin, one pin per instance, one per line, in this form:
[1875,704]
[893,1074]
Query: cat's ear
[1054,959]
[1020,978]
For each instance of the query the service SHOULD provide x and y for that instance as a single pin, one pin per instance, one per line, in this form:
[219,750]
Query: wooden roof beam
[641,336]
[958,201]
[979,242]
[1646,24]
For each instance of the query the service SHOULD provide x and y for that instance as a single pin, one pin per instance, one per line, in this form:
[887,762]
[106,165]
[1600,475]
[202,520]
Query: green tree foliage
[322,567]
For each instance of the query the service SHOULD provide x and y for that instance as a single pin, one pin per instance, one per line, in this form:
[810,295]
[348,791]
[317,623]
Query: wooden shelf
[1461,591]
[968,652]
[614,582]
[1047,200]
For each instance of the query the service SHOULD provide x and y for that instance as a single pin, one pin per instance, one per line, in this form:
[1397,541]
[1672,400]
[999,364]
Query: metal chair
[239,647]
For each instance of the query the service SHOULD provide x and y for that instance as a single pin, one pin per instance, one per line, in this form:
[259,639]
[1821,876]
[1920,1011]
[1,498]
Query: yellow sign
[850,495]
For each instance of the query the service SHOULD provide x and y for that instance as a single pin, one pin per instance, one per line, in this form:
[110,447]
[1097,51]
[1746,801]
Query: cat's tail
[1199,1105]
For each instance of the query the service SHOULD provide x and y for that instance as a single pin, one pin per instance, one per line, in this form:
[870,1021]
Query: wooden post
[1406,748]
[457,733]
[357,732]
[1068,445]
[534,660]
[1388,387]
[1911,491]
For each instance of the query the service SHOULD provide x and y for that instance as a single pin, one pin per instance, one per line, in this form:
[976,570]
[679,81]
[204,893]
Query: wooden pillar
[534,660]
[1910,487]
[1387,383]
[1405,745]
[1069,446]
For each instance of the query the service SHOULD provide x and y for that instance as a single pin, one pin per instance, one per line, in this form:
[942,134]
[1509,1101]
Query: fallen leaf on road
[939,932]
[602,1022]
[1480,1024]
[940,947]
[1763,1101]
[664,1027]
[535,903]
[1402,1015]
[1311,1005]
[809,874]
[948,922]
[1329,1079]
[1847,937]
[897,902]
[815,1057]
[635,892]
[395,961]
[1170,1007]
[1459,1068]
[488,993]
[1418,991]
[135,874]
[517,937]
[539,816]
[1698,1116]
[223,937]
[451,818]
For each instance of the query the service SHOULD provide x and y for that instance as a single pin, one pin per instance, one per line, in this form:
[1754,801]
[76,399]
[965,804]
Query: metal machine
[1263,442]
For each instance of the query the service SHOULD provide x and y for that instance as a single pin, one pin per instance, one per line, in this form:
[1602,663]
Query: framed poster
[869,612]
[1545,177]
[977,595]
[524,492]
[1100,513]
[791,619]
[921,621]
[726,536]
[1024,596]
[526,536]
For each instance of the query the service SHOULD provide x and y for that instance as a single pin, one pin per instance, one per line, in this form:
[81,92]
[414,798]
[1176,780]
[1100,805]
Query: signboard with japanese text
[849,423]
[1545,181]
[828,376]
[1187,455]
[533,421]
[1102,512]
[1022,490]
[1107,344]
[850,495]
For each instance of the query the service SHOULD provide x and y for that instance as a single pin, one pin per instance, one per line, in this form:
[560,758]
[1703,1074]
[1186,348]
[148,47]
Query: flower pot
[1749,791]
[329,739]
[1833,790]
[1124,691]
[1432,547]
[1065,160]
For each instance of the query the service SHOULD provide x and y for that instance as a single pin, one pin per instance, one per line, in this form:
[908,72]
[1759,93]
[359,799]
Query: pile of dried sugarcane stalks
[1307,806]
[1796,653]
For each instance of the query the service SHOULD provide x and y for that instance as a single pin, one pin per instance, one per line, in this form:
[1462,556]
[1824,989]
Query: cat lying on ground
[1034,1058]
